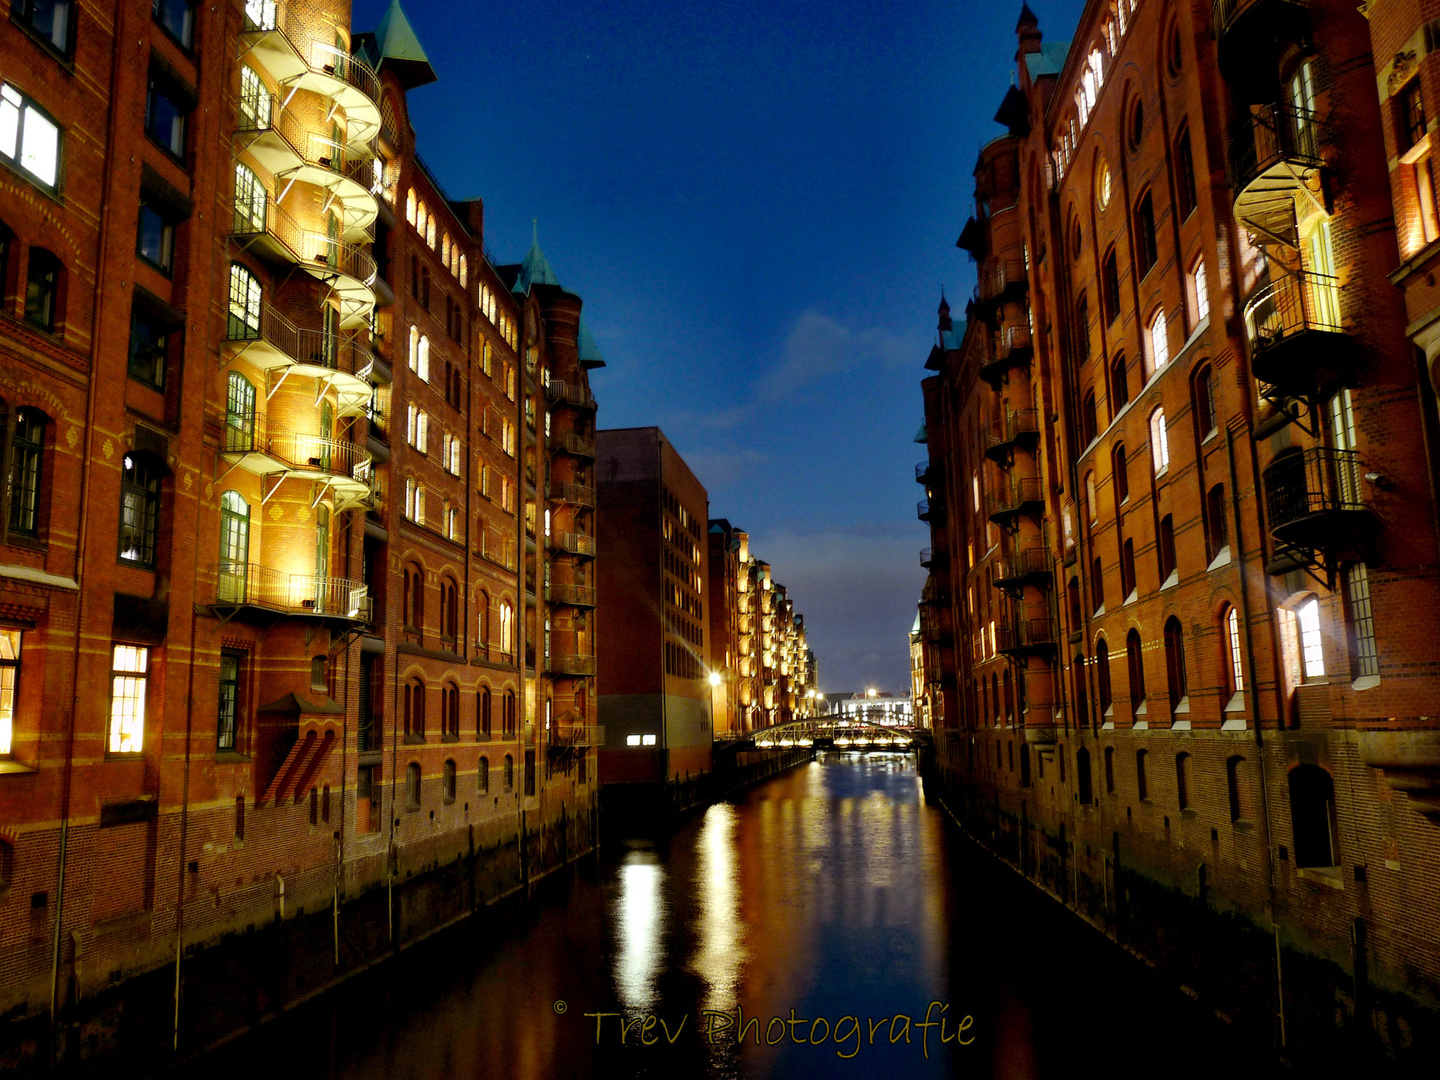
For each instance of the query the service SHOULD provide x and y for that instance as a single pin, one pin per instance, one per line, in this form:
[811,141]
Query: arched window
[410,205]
[1089,422]
[507,628]
[1312,646]
[1097,585]
[234,572]
[1203,394]
[1142,781]
[1235,781]
[414,600]
[450,710]
[1312,816]
[414,706]
[412,786]
[1072,595]
[1182,780]
[482,705]
[1121,473]
[1159,442]
[1009,698]
[1230,663]
[509,719]
[1175,661]
[483,777]
[1215,537]
[1165,549]
[243,323]
[1110,286]
[1082,692]
[139,509]
[1119,387]
[1082,776]
[1159,341]
[239,414]
[509,774]
[1102,675]
[251,201]
[27,455]
[482,622]
[1199,290]
[1146,252]
[1082,325]
[1135,667]
[449,611]
[448,789]
[1127,568]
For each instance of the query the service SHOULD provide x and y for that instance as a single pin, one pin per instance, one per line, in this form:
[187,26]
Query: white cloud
[818,345]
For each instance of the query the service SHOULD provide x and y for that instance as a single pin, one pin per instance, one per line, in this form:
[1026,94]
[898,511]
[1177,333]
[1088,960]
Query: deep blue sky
[758,204]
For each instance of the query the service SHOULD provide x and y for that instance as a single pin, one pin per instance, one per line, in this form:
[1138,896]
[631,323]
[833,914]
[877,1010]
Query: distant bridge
[832,732]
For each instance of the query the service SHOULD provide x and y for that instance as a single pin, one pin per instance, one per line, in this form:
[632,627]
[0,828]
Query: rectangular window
[1364,656]
[178,19]
[155,238]
[231,661]
[42,290]
[9,677]
[151,334]
[1200,291]
[1159,442]
[27,446]
[139,510]
[53,21]
[165,119]
[1312,647]
[129,674]
[1411,116]
[29,139]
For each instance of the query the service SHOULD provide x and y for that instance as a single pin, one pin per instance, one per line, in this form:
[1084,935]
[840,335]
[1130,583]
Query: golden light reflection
[639,922]
[721,952]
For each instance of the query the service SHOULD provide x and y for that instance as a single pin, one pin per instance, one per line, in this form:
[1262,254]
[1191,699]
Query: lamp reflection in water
[639,923]
[720,953]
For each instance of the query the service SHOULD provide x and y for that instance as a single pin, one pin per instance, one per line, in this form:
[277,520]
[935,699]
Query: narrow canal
[836,894]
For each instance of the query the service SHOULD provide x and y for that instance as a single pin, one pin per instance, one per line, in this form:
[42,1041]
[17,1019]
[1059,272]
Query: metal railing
[1012,339]
[1024,634]
[266,16]
[1027,562]
[571,664]
[571,595]
[1275,133]
[576,543]
[922,470]
[253,217]
[1315,481]
[1019,492]
[569,393]
[927,557]
[1012,426]
[321,453]
[301,594]
[578,494]
[1290,305]
[578,735]
[994,282]
[1226,13]
[310,345]
[258,113]
[576,445]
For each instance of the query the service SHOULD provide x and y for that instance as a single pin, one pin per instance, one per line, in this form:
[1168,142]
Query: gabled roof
[397,49]
[1048,61]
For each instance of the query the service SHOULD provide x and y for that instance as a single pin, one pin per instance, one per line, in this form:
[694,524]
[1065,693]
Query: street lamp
[715,678]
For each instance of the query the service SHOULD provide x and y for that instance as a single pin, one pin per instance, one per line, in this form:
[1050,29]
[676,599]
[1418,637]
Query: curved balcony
[569,595]
[930,557]
[346,468]
[1012,348]
[251,585]
[578,494]
[1023,496]
[574,665]
[575,543]
[1275,163]
[314,66]
[1020,428]
[579,446]
[1028,566]
[1314,500]
[273,342]
[1249,35]
[1025,637]
[560,392]
[927,471]
[932,509]
[268,229]
[290,151]
[1297,341]
[1006,280]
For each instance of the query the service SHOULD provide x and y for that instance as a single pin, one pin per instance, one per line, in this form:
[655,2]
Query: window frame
[148,498]
[46,39]
[227,721]
[116,736]
[24,106]
[13,638]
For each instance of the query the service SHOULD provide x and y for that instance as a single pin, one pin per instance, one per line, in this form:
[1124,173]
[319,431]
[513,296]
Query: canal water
[807,928]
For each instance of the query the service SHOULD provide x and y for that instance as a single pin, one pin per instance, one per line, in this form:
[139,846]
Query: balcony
[269,591]
[290,151]
[1248,36]
[578,494]
[1024,496]
[578,665]
[1029,566]
[261,225]
[1025,637]
[927,472]
[560,392]
[931,509]
[1313,501]
[570,595]
[315,66]
[575,543]
[1275,163]
[930,557]
[1006,280]
[1297,341]
[1019,428]
[274,342]
[579,446]
[1012,348]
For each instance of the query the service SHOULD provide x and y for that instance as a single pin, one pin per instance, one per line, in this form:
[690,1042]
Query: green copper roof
[399,49]
[589,352]
[1048,61]
[536,270]
[922,436]
[916,628]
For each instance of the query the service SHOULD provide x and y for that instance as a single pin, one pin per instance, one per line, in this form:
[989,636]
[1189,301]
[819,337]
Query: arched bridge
[833,732]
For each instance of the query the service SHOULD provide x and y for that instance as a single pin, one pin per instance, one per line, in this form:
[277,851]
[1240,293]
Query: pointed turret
[394,47]
[535,269]
[945,323]
[1027,29]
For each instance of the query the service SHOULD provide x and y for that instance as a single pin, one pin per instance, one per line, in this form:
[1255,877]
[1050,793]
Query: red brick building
[1183,515]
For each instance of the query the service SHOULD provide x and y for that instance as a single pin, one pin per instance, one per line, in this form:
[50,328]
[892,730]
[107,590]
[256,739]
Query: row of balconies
[272,342]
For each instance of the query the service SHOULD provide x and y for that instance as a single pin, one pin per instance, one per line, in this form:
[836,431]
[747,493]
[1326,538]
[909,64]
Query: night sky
[758,204]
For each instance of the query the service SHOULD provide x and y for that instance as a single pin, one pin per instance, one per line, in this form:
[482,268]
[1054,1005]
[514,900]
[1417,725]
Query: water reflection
[639,910]
[720,953]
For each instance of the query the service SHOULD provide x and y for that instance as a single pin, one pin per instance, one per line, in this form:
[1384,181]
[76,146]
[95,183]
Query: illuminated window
[227,719]
[1364,656]
[29,139]
[1312,646]
[1200,291]
[129,668]
[9,677]
[1232,636]
[1159,342]
[139,510]
[1159,441]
